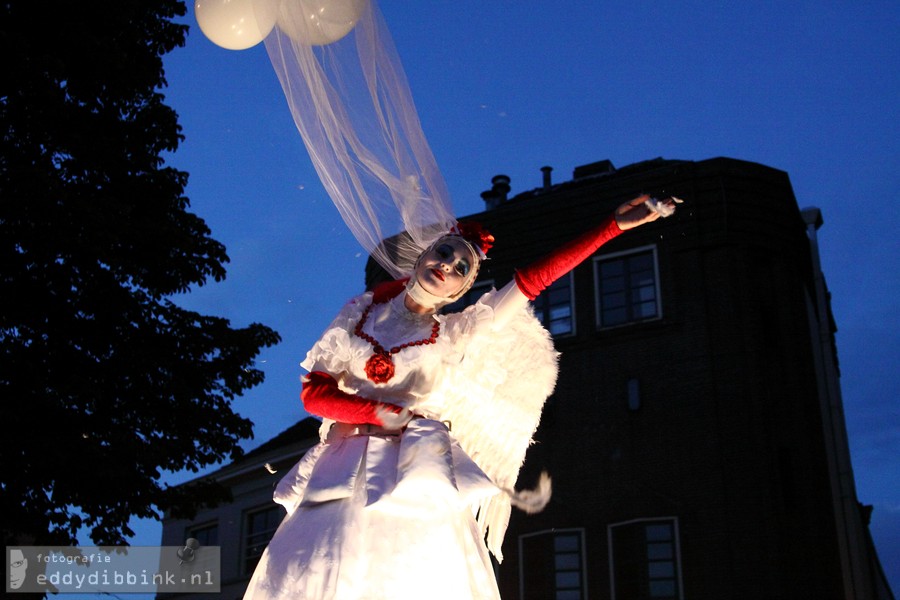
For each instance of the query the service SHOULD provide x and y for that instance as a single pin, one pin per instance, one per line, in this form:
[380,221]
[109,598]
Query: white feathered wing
[494,402]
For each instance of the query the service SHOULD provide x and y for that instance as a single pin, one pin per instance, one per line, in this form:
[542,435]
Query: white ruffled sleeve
[334,352]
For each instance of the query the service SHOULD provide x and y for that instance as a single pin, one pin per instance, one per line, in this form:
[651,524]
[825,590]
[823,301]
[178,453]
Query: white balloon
[319,22]
[236,24]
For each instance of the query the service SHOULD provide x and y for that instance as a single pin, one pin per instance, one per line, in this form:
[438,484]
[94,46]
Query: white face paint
[446,268]
[443,273]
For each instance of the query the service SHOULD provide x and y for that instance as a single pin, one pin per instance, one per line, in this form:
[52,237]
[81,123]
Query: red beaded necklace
[380,366]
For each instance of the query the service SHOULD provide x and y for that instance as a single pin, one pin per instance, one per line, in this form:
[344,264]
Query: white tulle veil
[351,103]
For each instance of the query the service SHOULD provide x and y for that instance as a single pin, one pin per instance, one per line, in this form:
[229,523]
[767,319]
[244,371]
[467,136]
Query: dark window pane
[568,561]
[559,296]
[612,268]
[566,543]
[207,535]
[658,533]
[661,570]
[627,283]
[659,551]
[643,293]
[614,317]
[560,312]
[554,307]
[643,278]
[640,262]
[560,327]
[662,589]
[470,297]
[613,300]
[645,310]
[614,284]
[568,579]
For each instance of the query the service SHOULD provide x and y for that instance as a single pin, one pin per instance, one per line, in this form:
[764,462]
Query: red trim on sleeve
[321,396]
[538,276]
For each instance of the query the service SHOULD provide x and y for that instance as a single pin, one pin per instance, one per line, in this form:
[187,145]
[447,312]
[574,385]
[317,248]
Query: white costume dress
[375,516]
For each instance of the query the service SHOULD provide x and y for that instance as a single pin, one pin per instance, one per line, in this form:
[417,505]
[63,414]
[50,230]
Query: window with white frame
[207,534]
[645,560]
[259,527]
[627,287]
[552,565]
[554,307]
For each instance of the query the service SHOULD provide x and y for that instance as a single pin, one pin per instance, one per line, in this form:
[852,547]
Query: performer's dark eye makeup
[446,252]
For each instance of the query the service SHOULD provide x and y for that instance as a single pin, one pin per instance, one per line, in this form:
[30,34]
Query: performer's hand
[393,420]
[637,212]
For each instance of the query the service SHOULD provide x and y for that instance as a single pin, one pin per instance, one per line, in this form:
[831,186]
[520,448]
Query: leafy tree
[105,382]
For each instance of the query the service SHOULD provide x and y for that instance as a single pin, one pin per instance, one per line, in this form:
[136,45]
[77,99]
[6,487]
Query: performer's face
[446,267]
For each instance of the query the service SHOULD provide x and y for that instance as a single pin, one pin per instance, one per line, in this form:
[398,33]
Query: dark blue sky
[810,88]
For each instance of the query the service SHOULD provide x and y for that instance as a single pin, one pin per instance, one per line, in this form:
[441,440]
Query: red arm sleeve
[537,277]
[321,396]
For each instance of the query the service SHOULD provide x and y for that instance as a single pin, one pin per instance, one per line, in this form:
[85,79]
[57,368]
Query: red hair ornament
[479,237]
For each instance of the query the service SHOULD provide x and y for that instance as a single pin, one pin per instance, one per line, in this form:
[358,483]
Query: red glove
[537,277]
[321,396]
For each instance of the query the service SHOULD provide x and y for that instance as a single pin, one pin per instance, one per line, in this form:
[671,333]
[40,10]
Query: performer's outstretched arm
[539,275]
[535,278]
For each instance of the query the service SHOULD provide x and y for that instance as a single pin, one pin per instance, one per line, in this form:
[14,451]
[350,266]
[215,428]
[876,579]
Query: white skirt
[380,517]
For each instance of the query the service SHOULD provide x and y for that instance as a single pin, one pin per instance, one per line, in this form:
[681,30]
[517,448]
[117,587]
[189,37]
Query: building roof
[302,430]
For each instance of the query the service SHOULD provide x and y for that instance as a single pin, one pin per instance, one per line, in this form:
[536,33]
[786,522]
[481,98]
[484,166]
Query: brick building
[696,436]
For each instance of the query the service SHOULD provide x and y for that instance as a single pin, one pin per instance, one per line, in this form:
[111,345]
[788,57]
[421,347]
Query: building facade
[696,437]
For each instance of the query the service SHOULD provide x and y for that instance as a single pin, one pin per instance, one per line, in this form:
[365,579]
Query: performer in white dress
[427,418]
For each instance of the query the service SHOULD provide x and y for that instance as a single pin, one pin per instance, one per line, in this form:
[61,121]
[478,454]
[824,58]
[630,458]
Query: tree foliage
[105,381]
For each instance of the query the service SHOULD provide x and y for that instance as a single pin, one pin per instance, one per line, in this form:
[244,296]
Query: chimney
[496,196]
[596,169]
[547,182]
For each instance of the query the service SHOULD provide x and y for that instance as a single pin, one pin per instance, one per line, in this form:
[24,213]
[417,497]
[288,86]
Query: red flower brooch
[380,368]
